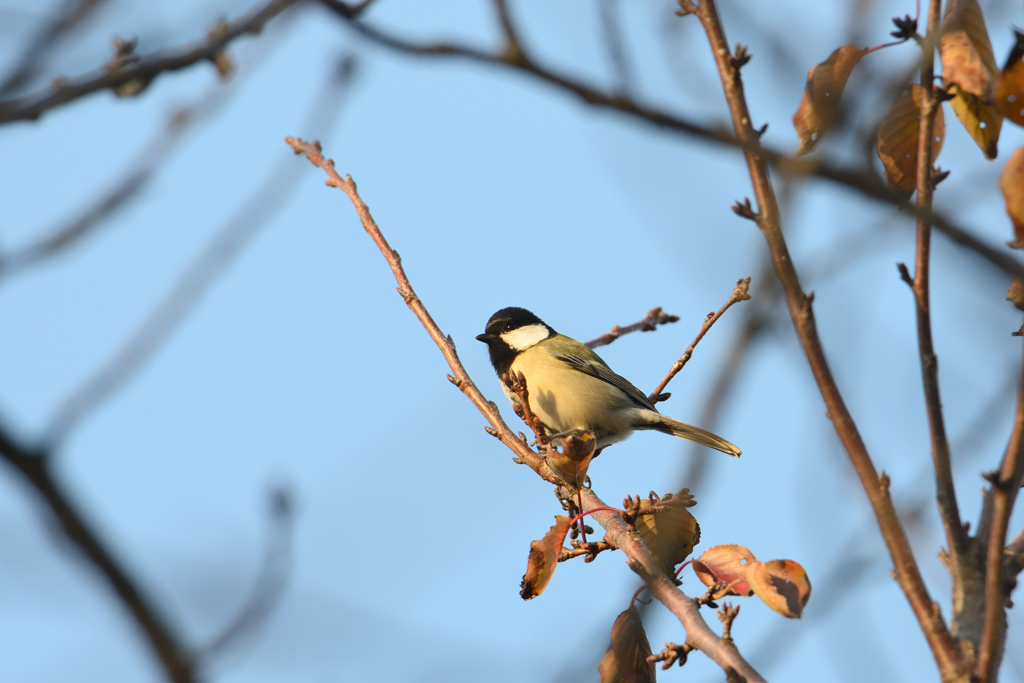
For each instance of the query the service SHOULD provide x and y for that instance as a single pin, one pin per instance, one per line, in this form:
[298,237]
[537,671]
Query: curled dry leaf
[625,660]
[671,532]
[782,585]
[1010,86]
[725,564]
[543,559]
[572,462]
[897,139]
[966,51]
[1011,182]
[820,104]
[968,63]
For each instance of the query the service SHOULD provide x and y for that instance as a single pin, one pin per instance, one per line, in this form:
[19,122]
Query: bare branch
[135,76]
[863,181]
[33,465]
[654,317]
[907,572]
[739,293]
[949,512]
[618,534]
[616,48]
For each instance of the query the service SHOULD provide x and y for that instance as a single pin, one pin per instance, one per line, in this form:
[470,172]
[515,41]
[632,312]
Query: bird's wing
[605,374]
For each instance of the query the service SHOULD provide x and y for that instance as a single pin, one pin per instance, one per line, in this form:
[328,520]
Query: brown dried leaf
[1011,182]
[543,559]
[1016,293]
[983,121]
[897,139]
[1010,86]
[726,564]
[625,660]
[966,51]
[572,462]
[822,92]
[782,585]
[671,532]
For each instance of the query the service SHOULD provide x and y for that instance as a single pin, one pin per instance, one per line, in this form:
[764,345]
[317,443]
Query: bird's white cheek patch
[525,337]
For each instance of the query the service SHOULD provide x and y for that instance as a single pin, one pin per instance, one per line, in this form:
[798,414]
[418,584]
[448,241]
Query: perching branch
[907,572]
[739,293]
[654,317]
[863,181]
[133,74]
[618,535]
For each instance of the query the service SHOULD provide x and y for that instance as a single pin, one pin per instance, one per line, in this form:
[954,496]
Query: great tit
[571,388]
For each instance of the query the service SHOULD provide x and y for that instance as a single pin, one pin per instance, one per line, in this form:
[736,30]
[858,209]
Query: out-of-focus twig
[741,292]
[193,283]
[269,585]
[136,74]
[610,27]
[70,16]
[654,317]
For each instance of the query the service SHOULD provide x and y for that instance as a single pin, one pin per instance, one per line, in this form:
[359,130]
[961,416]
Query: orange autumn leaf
[1015,294]
[1011,182]
[725,564]
[671,532]
[573,461]
[981,120]
[782,585]
[897,139]
[543,559]
[625,660]
[824,88]
[1009,93]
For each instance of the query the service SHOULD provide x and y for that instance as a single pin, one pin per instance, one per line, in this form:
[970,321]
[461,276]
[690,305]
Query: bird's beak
[485,338]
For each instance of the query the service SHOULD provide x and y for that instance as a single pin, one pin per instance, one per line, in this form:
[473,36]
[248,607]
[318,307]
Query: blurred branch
[945,650]
[654,317]
[862,181]
[261,206]
[34,465]
[999,499]
[131,75]
[66,19]
[270,583]
[739,293]
[608,10]
[662,587]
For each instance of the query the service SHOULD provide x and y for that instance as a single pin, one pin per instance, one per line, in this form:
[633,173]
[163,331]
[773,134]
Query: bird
[571,389]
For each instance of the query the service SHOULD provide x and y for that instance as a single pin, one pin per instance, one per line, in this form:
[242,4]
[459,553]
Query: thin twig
[741,292]
[1000,499]
[861,180]
[654,317]
[949,511]
[618,534]
[34,466]
[907,572]
[610,27]
[140,73]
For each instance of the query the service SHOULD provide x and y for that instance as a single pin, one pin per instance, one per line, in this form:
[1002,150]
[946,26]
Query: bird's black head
[511,331]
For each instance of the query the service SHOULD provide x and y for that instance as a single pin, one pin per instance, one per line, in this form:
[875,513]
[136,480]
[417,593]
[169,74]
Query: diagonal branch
[654,317]
[724,653]
[138,74]
[862,181]
[907,572]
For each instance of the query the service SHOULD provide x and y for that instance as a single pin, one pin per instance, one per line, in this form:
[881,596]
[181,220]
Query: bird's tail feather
[653,420]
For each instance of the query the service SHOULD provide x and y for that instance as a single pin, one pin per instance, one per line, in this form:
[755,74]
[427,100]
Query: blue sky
[300,365]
